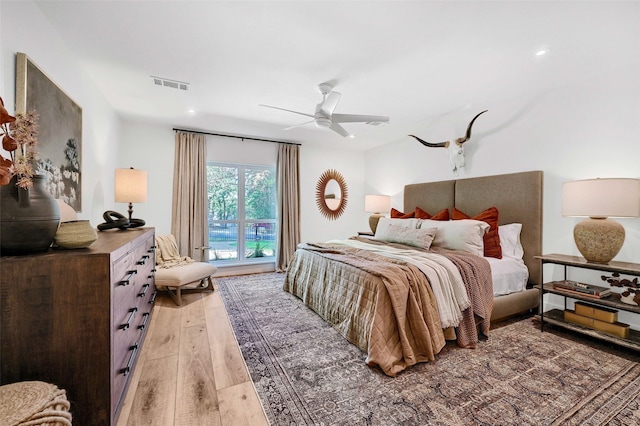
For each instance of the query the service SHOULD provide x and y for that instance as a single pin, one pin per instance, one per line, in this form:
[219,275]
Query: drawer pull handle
[128,278]
[152,300]
[144,290]
[126,370]
[126,325]
[143,260]
[145,318]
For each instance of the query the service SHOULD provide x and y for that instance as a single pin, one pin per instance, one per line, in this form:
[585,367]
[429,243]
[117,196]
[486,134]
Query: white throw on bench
[173,272]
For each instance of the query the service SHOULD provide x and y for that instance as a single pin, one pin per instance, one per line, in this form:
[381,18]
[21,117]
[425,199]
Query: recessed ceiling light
[543,51]
[191,111]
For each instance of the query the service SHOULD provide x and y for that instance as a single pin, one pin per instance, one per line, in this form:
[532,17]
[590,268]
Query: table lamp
[376,204]
[598,238]
[130,187]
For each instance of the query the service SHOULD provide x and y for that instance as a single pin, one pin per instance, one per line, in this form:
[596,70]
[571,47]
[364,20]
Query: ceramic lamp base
[373,221]
[598,240]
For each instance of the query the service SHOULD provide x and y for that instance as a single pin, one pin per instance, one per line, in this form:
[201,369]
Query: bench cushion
[178,276]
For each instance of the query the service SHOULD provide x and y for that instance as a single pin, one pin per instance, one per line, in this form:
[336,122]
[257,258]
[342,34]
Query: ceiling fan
[324,116]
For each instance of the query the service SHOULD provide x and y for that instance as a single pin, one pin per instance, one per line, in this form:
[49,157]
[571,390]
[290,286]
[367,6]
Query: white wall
[151,148]
[350,164]
[24,29]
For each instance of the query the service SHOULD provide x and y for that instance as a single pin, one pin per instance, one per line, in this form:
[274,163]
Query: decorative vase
[29,218]
[75,234]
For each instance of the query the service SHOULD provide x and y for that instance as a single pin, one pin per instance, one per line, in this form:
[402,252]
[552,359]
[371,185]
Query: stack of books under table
[589,315]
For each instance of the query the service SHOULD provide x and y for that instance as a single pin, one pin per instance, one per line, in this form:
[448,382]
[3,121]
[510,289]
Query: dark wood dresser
[78,318]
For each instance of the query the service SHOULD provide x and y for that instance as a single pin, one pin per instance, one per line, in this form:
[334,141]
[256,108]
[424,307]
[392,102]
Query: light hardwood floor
[191,370]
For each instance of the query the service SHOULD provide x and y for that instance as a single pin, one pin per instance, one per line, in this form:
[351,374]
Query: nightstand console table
[78,318]
[556,316]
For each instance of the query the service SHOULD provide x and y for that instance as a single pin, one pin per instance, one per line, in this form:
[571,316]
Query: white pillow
[510,240]
[384,223]
[466,234]
[412,237]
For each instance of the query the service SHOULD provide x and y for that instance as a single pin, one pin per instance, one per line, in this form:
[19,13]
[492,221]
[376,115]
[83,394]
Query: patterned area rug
[307,374]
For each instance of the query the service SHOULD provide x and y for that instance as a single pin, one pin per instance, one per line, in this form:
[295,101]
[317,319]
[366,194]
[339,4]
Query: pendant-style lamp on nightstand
[598,238]
[376,204]
[131,187]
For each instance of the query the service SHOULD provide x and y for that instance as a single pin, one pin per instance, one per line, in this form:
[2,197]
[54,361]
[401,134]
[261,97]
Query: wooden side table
[556,316]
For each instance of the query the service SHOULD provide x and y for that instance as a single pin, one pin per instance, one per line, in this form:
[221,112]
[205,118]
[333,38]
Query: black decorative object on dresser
[78,318]
[596,309]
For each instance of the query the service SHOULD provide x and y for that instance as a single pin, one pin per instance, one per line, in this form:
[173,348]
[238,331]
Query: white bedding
[509,275]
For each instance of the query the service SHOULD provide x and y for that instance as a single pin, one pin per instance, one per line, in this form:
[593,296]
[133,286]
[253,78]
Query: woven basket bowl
[75,234]
[33,403]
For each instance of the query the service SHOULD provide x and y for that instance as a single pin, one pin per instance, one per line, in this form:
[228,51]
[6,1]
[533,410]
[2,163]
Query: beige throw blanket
[167,255]
[384,305]
[476,276]
[443,276]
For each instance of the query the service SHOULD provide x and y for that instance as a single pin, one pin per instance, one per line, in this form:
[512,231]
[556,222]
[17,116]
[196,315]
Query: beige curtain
[288,183]
[189,211]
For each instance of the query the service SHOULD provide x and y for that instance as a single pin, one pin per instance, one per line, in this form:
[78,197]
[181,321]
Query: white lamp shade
[377,203]
[130,186]
[600,198]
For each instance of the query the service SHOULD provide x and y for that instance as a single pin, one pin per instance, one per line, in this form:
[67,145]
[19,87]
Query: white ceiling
[413,61]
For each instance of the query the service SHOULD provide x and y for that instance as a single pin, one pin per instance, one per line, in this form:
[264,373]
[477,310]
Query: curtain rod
[234,136]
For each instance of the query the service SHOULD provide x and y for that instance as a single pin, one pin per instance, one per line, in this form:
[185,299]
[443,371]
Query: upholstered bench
[195,276]
[180,274]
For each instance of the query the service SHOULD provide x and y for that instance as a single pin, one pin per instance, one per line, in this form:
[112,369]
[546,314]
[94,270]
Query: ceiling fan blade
[339,129]
[354,118]
[288,110]
[298,125]
[330,103]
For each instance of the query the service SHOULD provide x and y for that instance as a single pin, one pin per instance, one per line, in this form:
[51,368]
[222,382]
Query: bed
[398,302]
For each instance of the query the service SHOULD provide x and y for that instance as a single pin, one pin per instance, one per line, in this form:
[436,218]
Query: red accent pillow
[491,238]
[396,214]
[441,215]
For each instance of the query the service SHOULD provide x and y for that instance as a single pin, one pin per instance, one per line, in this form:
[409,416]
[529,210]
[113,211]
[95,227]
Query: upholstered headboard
[517,196]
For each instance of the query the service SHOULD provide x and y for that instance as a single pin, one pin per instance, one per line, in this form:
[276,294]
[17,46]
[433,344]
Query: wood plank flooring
[190,370]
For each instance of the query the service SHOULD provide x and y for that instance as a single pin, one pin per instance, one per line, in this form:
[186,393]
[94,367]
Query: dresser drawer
[124,301]
[126,347]
[131,312]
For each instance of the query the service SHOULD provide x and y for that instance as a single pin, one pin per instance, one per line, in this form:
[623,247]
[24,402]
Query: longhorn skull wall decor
[456,150]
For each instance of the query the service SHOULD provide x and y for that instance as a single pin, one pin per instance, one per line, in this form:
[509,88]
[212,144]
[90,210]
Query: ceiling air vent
[181,85]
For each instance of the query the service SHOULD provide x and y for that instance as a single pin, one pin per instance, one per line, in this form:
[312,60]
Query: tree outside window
[242,212]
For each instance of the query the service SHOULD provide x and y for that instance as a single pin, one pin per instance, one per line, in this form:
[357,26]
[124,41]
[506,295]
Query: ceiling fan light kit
[325,118]
[323,122]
